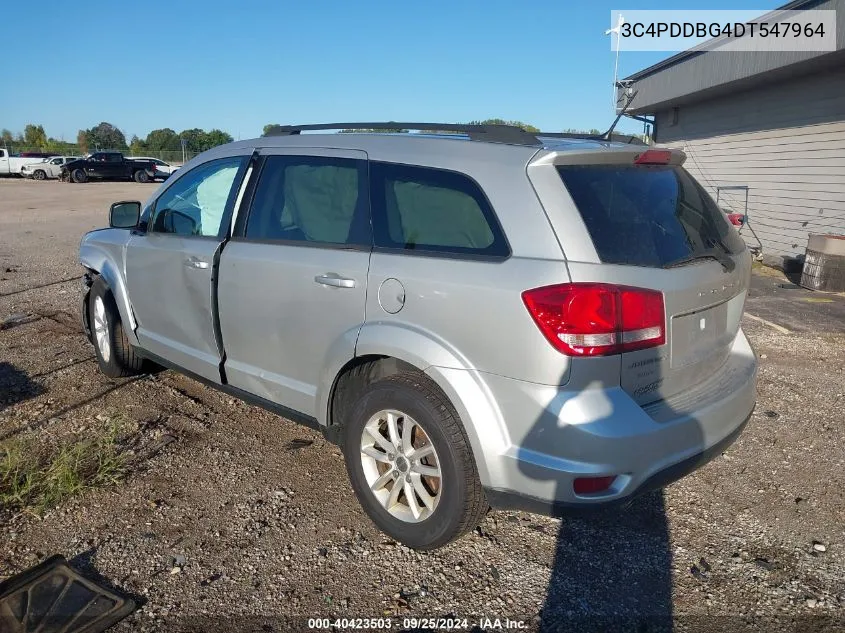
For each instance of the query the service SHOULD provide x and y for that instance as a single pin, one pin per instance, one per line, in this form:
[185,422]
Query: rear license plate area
[698,335]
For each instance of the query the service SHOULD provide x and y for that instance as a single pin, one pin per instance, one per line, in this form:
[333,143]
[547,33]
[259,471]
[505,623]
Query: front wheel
[39,174]
[410,463]
[142,176]
[115,355]
[78,176]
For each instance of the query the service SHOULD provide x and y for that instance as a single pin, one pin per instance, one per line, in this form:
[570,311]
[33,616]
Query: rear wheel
[115,356]
[410,463]
[142,176]
[79,176]
[39,174]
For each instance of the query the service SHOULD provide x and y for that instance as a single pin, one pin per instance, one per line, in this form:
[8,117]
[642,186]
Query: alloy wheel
[401,466]
[101,329]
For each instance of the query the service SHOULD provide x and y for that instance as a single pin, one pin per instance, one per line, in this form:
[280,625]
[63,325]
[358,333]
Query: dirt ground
[234,519]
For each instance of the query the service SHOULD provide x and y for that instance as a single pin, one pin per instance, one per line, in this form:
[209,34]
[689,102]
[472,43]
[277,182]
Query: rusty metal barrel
[824,263]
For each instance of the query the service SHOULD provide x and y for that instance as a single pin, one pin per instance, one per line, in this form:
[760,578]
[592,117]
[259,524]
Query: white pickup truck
[11,165]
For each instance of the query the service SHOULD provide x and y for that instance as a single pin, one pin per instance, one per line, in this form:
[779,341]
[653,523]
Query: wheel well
[356,375]
[89,277]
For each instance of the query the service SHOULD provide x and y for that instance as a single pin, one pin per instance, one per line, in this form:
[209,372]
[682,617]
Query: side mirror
[124,215]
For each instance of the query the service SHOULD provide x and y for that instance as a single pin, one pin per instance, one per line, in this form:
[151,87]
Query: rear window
[651,216]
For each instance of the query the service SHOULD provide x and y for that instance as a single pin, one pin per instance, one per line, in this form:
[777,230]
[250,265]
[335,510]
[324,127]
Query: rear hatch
[653,226]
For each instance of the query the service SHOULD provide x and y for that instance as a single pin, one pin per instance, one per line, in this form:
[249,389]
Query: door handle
[336,281]
[195,262]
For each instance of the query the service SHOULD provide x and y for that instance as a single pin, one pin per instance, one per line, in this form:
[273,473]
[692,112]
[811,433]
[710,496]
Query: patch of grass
[35,477]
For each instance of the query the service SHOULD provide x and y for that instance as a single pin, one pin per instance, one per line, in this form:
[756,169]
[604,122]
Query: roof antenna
[630,94]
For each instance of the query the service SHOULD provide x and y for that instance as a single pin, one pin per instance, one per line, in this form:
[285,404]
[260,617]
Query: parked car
[47,168]
[12,165]
[108,166]
[491,320]
[163,170]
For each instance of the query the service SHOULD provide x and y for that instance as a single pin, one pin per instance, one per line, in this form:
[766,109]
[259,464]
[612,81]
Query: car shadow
[612,568]
[16,386]
[45,419]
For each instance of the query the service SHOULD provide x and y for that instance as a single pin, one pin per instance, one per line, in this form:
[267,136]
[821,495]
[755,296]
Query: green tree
[525,126]
[163,140]
[137,146]
[271,128]
[104,136]
[60,146]
[590,132]
[198,140]
[6,137]
[34,136]
[216,137]
[193,139]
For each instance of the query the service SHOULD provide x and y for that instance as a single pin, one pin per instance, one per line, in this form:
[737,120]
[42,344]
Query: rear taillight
[653,157]
[737,219]
[593,319]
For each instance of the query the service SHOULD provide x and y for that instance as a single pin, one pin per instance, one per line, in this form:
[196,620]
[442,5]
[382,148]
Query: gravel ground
[235,519]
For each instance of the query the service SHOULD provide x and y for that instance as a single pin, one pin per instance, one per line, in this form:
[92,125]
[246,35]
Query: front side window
[419,208]
[196,203]
[311,199]
[56,161]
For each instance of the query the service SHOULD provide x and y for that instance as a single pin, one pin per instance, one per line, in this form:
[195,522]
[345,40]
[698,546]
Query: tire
[142,176]
[456,501]
[79,176]
[39,174]
[115,356]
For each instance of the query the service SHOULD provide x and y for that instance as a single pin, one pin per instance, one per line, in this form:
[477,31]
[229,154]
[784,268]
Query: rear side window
[311,199]
[652,216]
[419,208]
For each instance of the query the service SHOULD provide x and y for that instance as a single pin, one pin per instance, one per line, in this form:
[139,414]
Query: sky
[237,66]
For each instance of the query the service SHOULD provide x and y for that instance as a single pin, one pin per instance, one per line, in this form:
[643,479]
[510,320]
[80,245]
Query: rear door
[293,279]
[170,267]
[653,226]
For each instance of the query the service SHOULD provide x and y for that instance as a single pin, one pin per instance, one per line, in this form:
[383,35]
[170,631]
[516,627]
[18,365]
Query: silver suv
[483,319]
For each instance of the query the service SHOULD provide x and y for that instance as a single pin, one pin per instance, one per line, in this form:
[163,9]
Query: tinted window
[311,199]
[56,161]
[418,208]
[195,204]
[648,215]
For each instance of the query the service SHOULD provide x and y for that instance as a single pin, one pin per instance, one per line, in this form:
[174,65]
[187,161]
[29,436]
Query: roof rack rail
[489,133]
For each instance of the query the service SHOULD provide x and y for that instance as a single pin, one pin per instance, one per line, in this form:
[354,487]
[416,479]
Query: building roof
[702,73]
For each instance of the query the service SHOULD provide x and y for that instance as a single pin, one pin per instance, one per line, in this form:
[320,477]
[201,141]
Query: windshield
[654,216]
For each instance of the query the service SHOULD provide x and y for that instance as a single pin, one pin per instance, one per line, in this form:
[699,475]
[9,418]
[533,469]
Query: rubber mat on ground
[53,598]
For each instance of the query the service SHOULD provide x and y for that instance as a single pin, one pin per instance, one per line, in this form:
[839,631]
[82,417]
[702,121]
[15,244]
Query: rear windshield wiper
[720,256]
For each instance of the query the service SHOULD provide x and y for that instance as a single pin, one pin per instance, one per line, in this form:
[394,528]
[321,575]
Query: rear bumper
[503,499]
[557,436]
